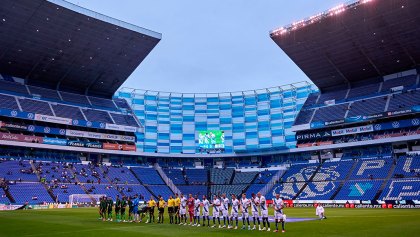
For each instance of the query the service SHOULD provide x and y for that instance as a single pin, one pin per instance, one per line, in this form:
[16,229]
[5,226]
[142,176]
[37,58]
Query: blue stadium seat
[147,175]
[359,190]
[401,189]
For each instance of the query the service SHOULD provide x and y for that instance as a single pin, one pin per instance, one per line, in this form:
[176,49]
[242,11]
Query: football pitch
[84,222]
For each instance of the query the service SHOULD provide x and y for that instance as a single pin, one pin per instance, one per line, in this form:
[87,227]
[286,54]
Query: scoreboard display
[211,139]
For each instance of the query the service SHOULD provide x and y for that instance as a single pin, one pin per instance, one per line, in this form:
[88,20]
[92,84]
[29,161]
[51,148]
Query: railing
[165,178]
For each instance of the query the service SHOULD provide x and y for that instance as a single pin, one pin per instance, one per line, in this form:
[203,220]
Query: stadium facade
[251,120]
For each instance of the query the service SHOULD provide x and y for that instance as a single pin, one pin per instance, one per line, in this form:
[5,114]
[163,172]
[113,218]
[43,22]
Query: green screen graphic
[211,139]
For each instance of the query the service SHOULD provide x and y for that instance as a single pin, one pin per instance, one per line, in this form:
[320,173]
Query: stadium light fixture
[315,18]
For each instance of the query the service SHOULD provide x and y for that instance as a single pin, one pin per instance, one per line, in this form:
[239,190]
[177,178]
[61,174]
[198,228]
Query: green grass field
[84,222]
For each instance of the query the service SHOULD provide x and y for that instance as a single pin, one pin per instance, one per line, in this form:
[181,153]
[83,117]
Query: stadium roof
[56,44]
[353,42]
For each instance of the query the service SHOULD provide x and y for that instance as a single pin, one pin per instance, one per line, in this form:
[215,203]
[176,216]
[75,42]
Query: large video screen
[211,139]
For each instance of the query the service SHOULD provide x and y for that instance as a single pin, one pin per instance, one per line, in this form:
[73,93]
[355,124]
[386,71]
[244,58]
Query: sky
[212,45]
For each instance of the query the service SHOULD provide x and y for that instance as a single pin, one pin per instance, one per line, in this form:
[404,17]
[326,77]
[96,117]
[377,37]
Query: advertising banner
[129,147]
[120,128]
[20,138]
[314,135]
[111,146]
[46,130]
[118,147]
[52,119]
[304,145]
[13,126]
[354,130]
[96,145]
[76,143]
[103,136]
[55,141]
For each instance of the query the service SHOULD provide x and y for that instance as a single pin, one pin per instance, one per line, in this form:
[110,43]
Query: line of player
[180,207]
[239,207]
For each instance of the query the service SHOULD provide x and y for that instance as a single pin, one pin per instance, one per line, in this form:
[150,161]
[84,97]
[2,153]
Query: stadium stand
[197,176]
[15,88]
[44,93]
[74,98]
[131,190]
[120,175]
[318,191]
[404,100]
[331,171]
[35,106]
[32,193]
[244,177]
[370,106]
[330,113]
[407,167]
[299,173]
[100,102]
[66,111]
[176,175]
[221,176]
[372,169]
[17,171]
[62,192]
[359,190]
[147,175]
[199,190]
[8,102]
[97,115]
[106,189]
[228,189]
[401,189]
[162,190]
[254,188]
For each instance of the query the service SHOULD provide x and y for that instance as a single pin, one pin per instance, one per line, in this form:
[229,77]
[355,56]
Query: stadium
[71,133]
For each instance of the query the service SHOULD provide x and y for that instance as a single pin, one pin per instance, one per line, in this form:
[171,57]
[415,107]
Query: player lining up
[234,212]
[245,204]
[171,210]
[183,210]
[206,208]
[216,205]
[151,204]
[197,204]
[278,213]
[264,211]
[225,209]
[255,202]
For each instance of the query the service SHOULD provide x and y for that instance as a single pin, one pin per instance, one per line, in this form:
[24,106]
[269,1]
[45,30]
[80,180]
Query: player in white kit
[225,209]
[206,208]
[197,204]
[245,205]
[255,203]
[264,211]
[278,213]
[234,212]
[183,210]
[216,211]
[320,211]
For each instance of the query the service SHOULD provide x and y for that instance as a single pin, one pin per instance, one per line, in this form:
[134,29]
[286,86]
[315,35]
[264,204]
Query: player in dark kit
[130,209]
[123,207]
[102,208]
[117,208]
[110,203]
